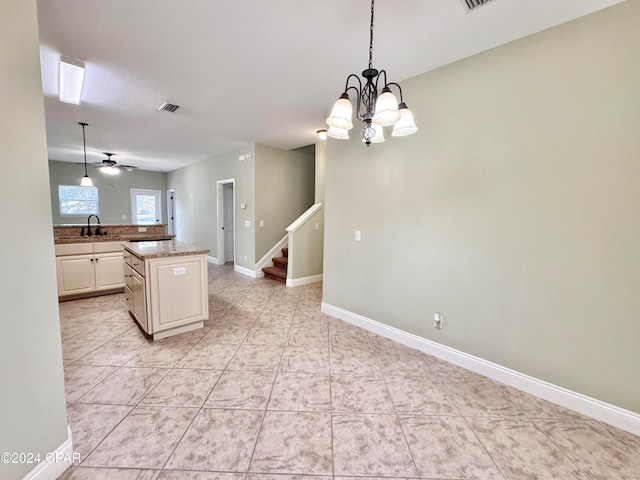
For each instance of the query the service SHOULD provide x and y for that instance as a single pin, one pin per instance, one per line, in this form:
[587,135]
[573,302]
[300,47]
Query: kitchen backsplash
[69,231]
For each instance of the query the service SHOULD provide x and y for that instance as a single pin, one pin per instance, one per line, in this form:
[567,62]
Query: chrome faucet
[97,232]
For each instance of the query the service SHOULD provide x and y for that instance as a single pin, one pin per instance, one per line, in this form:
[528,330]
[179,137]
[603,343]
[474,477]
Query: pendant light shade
[386,109]
[339,133]
[86,180]
[341,113]
[405,126]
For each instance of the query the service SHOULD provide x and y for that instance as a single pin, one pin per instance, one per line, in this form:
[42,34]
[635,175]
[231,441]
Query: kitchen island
[166,286]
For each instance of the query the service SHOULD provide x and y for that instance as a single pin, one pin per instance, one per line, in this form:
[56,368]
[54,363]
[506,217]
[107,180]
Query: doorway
[171,208]
[145,207]
[226,221]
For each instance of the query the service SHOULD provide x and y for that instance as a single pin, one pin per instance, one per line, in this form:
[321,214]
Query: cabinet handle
[97,259]
[92,260]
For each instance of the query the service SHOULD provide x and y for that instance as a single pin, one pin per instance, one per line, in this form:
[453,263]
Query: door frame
[171,214]
[146,191]
[221,242]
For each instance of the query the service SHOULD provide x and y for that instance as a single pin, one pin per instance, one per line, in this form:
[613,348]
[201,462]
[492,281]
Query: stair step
[275,273]
[285,252]
[280,262]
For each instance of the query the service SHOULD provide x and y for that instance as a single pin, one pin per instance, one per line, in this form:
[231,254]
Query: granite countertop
[163,248]
[109,238]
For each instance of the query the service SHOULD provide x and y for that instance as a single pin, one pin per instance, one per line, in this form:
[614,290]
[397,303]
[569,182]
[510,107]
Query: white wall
[33,413]
[513,211]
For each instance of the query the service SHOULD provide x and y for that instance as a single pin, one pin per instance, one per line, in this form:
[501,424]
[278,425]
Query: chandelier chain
[371,36]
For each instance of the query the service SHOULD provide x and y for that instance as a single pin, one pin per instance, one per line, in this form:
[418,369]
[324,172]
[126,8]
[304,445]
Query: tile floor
[272,389]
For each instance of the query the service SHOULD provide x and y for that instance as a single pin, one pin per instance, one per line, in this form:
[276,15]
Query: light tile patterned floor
[273,389]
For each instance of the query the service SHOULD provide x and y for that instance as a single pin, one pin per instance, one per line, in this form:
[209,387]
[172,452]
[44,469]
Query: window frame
[61,199]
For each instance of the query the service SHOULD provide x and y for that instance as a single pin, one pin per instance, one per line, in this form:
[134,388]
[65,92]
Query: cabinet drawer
[128,297]
[138,264]
[127,257]
[106,247]
[128,281]
[74,249]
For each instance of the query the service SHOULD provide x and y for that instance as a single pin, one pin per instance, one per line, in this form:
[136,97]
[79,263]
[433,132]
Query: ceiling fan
[111,167]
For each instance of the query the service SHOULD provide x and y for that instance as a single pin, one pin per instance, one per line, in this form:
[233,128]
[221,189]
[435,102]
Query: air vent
[168,107]
[471,5]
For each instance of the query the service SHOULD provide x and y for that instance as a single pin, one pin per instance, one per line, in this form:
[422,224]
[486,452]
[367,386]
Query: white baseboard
[213,260]
[245,271]
[55,463]
[605,412]
[296,282]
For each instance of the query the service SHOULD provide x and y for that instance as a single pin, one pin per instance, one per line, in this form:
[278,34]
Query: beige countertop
[163,248]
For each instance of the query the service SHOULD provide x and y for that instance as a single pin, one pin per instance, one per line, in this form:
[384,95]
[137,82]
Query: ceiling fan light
[386,109]
[406,125]
[341,113]
[110,170]
[86,181]
[339,133]
[71,80]
[322,134]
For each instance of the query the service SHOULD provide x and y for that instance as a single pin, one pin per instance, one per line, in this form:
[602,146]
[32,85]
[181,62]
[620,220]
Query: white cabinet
[167,295]
[108,270]
[178,291]
[76,274]
[89,267]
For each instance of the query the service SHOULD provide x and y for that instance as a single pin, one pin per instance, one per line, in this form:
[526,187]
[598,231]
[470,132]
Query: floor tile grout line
[266,406]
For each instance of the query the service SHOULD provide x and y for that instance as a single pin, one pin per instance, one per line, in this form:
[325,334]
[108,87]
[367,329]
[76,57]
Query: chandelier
[375,111]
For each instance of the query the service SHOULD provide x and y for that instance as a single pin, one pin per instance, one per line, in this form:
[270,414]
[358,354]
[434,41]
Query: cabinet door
[139,300]
[75,274]
[177,291]
[109,273]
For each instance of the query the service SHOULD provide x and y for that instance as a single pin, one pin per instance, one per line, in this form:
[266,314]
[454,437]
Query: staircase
[279,270]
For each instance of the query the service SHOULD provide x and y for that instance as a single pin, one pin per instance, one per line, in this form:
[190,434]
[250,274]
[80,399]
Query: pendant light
[86,181]
[375,111]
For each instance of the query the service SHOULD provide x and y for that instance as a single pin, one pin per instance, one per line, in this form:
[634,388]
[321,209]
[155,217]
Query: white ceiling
[242,71]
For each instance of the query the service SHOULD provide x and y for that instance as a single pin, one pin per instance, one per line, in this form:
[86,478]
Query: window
[145,207]
[77,200]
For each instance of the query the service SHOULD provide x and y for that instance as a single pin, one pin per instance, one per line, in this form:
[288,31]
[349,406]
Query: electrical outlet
[438,319]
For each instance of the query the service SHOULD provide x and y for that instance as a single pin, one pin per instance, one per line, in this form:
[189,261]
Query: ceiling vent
[168,107]
[471,5]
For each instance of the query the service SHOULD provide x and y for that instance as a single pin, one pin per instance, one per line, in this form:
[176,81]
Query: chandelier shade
[339,133]
[341,113]
[386,109]
[378,136]
[373,110]
[406,125]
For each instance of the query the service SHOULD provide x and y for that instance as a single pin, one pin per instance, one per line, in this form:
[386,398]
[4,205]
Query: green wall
[513,211]
[114,191]
[284,190]
[33,414]
[197,203]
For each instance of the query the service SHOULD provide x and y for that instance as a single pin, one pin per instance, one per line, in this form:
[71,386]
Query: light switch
[142,229]
[241,158]
[243,205]
[261,223]
[358,236]
[247,223]
[317,226]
